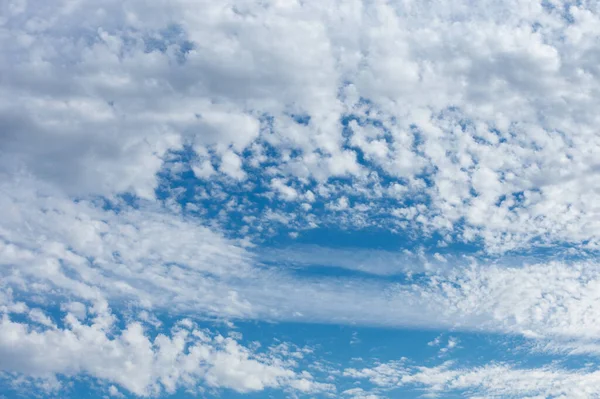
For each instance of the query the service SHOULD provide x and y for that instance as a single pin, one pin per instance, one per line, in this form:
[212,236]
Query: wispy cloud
[489,381]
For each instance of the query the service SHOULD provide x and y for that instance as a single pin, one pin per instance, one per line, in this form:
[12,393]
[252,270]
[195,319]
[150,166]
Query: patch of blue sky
[302,119]
[211,200]
[173,36]
[255,202]
[563,9]
[372,238]
[255,192]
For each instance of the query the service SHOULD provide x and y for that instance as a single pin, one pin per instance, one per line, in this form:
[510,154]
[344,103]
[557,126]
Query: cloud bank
[149,151]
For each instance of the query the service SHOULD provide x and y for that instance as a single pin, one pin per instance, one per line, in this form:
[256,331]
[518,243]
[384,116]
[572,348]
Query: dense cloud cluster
[474,121]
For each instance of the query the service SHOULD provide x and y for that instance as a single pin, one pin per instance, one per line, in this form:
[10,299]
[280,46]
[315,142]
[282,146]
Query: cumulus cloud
[146,150]
[145,365]
[484,114]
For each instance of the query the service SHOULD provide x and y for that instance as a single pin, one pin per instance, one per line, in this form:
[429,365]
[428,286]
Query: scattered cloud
[150,152]
[489,381]
[163,261]
[186,356]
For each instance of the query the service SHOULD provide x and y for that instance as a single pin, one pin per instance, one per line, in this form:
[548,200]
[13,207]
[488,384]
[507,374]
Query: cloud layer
[153,259]
[476,122]
[149,151]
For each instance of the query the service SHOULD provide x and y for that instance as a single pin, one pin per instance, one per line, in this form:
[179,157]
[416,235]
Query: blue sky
[355,199]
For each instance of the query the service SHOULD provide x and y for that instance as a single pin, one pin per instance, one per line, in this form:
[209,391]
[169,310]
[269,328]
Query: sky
[355,199]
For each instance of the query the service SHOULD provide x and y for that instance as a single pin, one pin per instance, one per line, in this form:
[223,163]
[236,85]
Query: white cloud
[286,192]
[77,309]
[114,392]
[359,393]
[38,316]
[452,343]
[158,260]
[489,381]
[494,103]
[204,170]
[231,165]
[475,122]
[184,357]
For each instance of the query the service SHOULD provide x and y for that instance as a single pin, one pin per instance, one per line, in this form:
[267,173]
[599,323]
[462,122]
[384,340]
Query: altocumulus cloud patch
[360,199]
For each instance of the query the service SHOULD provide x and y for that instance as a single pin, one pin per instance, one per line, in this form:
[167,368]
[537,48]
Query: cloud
[359,393]
[114,392]
[489,381]
[156,260]
[452,343]
[473,121]
[147,150]
[231,165]
[186,356]
[93,253]
[375,262]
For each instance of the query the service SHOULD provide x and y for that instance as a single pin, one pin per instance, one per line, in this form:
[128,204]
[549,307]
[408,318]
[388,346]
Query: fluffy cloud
[186,356]
[484,115]
[232,122]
